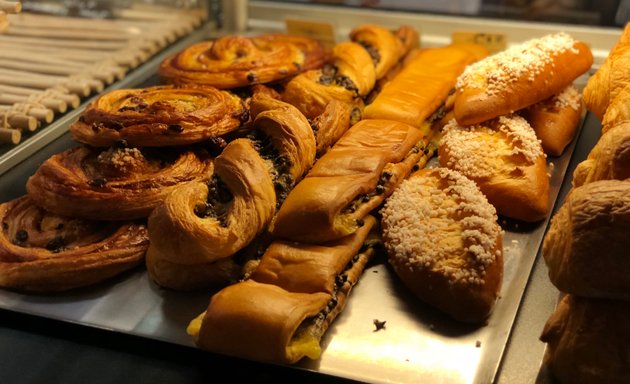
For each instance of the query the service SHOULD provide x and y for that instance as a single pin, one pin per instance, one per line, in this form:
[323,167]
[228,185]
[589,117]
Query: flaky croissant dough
[43,252]
[505,159]
[518,77]
[159,116]
[281,312]
[611,77]
[587,341]
[114,183]
[237,61]
[555,120]
[609,158]
[214,221]
[586,245]
[618,110]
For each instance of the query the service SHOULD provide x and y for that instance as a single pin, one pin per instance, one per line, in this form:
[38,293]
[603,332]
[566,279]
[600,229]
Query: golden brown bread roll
[43,252]
[216,220]
[159,116]
[610,78]
[587,341]
[282,311]
[505,159]
[237,61]
[520,76]
[556,119]
[609,158]
[445,244]
[350,180]
[586,245]
[114,183]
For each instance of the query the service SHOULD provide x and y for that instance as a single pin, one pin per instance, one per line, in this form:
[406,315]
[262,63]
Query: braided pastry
[238,61]
[216,220]
[115,183]
[159,116]
[43,252]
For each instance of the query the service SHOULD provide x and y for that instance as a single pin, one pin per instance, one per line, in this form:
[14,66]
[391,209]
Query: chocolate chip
[176,128]
[251,77]
[122,143]
[81,119]
[99,182]
[379,324]
[5,225]
[415,168]
[21,236]
[115,125]
[55,244]
[360,223]
[341,280]
[379,190]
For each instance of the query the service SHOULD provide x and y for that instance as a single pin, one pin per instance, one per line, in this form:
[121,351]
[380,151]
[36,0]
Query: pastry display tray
[417,344]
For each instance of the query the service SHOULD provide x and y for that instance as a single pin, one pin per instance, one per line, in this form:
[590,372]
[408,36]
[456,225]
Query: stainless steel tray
[418,344]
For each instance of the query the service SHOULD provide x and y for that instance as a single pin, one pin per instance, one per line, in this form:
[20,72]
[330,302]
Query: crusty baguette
[555,120]
[445,244]
[505,159]
[518,77]
[586,245]
[587,341]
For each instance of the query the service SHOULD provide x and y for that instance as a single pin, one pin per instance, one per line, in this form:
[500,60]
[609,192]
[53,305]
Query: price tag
[321,31]
[495,42]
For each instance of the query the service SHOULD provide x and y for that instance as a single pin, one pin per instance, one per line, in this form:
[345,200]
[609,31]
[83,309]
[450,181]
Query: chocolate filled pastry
[352,71]
[237,61]
[43,252]
[587,341]
[445,244]
[556,119]
[352,179]
[159,116]
[586,245]
[611,77]
[216,219]
[609,159]
[518,77]
[282,311]
[114,183]
[505,159]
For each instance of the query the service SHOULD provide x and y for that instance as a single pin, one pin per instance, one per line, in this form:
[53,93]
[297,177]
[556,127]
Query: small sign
[495,42]
[323,32]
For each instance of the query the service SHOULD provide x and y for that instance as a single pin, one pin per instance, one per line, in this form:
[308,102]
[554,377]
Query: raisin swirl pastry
[237,61]
[215,220]
[159,116]
[115,183]
[43,252]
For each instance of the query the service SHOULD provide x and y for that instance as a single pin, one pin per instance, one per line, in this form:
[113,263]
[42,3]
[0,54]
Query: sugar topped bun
[444,243]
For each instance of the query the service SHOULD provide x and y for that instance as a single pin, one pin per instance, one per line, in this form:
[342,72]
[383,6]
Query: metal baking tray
[418,343]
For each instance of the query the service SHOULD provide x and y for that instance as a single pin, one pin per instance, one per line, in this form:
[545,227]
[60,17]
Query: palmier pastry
[518,77]
[159,116]
[587,341]
[555,120]
[351,179]
[609,158]
[237,61]
[281,312]
[43,252]
[352,71]
[586,245]
[610,78]
[505,159]
[115,183]
[215,220]
[444,242]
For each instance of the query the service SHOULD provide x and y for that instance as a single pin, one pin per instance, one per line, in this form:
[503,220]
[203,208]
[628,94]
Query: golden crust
[43,252]
[158,116]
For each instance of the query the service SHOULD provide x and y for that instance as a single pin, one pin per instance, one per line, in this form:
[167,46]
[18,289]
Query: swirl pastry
[159,116]
[504,157]
[281,312]
[518,77]
[352,71]
[237,61]
[215,220]
[115,183]
[43,252]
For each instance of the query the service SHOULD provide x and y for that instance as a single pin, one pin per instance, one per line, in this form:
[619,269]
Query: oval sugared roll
[116,183]
[238,61]
[444,243]
[159,116]
[44,252]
